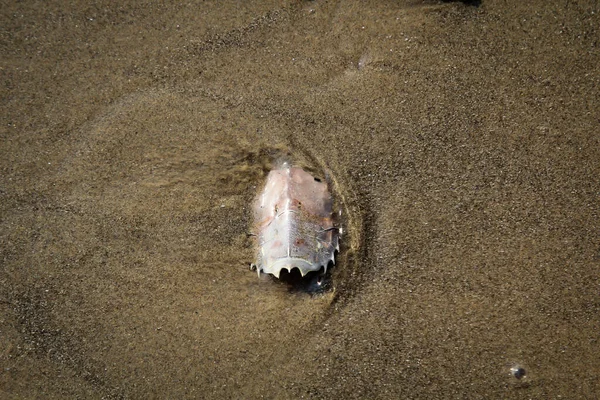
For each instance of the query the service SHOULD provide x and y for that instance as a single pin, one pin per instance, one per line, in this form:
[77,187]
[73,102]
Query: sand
[462,144]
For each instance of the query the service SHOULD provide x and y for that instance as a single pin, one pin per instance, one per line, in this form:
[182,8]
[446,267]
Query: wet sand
[462,143]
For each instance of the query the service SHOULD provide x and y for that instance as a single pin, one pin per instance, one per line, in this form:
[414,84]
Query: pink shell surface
[294,222]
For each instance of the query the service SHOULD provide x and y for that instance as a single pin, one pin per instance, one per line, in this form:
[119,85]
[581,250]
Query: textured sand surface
[463,145]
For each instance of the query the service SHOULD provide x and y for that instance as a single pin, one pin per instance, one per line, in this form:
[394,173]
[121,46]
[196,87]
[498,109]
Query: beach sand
[461,141]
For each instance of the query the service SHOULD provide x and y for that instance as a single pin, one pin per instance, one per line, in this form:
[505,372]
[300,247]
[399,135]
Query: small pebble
[518,372]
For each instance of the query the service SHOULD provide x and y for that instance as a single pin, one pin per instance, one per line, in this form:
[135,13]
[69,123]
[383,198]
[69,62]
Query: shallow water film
[462,144]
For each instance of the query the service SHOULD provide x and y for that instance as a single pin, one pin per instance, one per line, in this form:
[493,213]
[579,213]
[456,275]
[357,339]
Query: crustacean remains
[294,223]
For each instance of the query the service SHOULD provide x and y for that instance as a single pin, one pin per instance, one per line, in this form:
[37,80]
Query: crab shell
[294,223]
